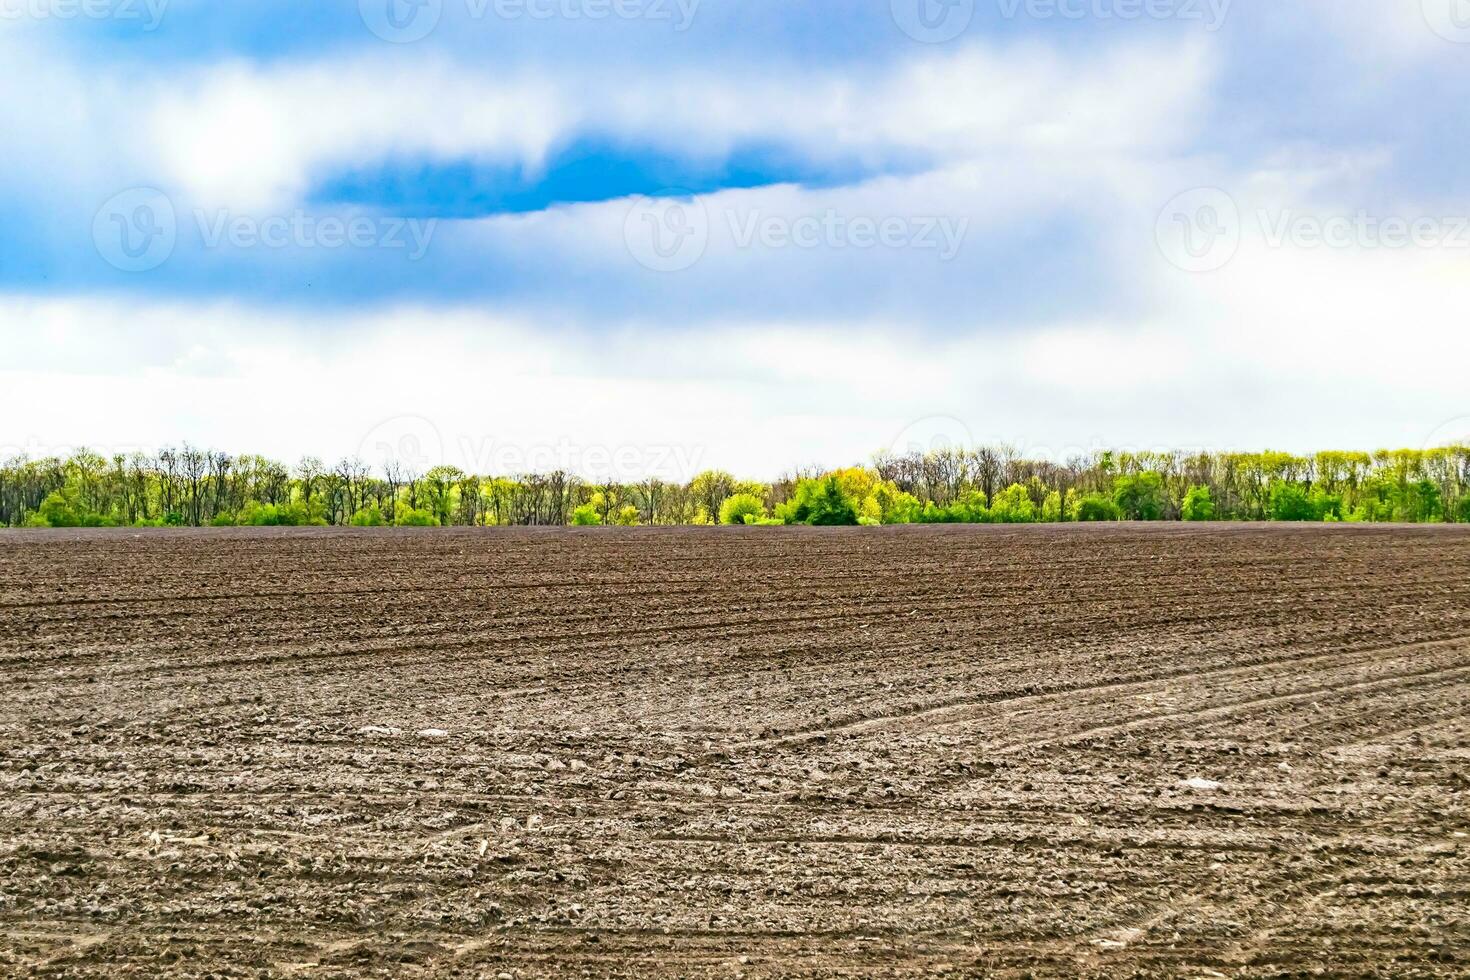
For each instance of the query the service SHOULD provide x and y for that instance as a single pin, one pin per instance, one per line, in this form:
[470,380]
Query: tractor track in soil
[736,752]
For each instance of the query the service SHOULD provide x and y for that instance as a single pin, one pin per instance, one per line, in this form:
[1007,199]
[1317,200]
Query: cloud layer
[1062,231]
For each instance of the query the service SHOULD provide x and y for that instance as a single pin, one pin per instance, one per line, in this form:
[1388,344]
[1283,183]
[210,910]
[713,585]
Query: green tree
[831,507]
[369,516]
[710,488]
[1051,508]
[1419,502]
[1325,506]
[1140,496]
[1096,507]
[1199,505]
[1289,502]
[63,509]
[1013,505]
[743,508]
[821,503]
[439,485]
[57,511]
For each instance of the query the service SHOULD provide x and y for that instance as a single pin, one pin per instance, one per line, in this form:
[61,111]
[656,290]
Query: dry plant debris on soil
[1128,750]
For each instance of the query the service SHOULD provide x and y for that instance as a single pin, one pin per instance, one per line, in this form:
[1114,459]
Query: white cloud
[248,136]
[1387,29]
[1291,348]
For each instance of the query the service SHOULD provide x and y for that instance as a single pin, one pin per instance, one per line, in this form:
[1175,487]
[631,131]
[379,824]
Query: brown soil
[760,752]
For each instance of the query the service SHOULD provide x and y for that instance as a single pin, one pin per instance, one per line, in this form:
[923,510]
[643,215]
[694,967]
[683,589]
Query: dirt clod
[895,752]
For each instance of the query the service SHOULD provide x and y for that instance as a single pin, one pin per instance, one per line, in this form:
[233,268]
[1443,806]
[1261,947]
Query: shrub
[1463,511]
[1013,505]
[627,516]
[415,517]
[64,510]
[819,502]
[1418,503]
[276,515]
[1140,497]
[792,511]
[586,516]
[1199,505]
[369,516]
[1326,506]
[742,508]
[57,511]
[896,506]
[1096,507]
[259,515]
[934,514]
[886,504]
[831,507]
[1051,508]
[969,509]
[1289,502]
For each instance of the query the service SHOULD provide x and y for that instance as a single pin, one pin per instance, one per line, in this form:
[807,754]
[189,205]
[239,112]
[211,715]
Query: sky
[629,237]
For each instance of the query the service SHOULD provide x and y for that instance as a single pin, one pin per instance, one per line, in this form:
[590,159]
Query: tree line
[195,487]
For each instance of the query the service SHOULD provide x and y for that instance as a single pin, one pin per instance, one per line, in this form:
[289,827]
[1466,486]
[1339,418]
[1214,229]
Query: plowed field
[1216,751]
